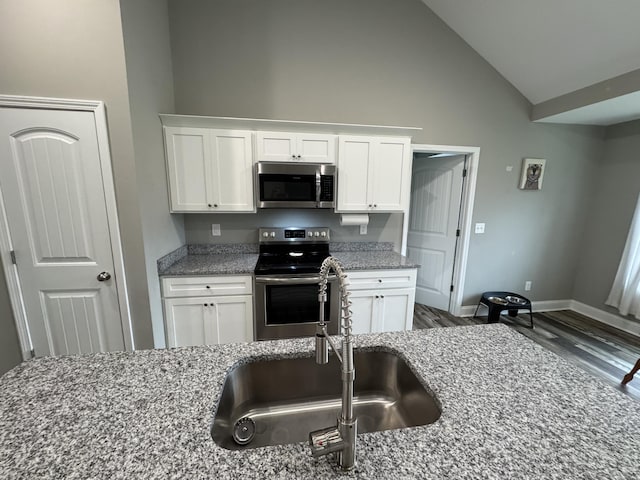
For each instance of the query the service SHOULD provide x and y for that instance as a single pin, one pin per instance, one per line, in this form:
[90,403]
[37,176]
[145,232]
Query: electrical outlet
[215,229]
[363,229]
[509,168]
[479,227]
[527,285]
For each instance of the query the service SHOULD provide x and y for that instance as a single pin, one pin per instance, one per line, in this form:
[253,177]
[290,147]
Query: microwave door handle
[318,187]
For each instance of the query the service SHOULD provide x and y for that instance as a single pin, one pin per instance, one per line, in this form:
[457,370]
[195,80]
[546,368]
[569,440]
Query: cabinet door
[232,172]
[390,177]
[364,311]
[187,322]
[208,320]
[275,147]
[354,154]
[396,310]
[189,168]
[316,148]
[233,318]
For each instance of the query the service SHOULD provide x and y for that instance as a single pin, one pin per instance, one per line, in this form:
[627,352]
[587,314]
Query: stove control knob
[310,234]
[316,234]
[265,234]
[273,234]
[323,234]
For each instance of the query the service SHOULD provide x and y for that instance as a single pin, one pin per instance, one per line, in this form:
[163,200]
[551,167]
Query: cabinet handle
[209,205]
[206,304]
[375,206]
[215,204]
[370,205]
[379,280]
[381,296]
[208,286]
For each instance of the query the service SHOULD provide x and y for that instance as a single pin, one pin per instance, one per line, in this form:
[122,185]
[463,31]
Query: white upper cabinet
[374,174]
[209,170]
[295,147]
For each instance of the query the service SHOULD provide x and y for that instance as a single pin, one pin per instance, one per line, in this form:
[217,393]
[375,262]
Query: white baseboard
[611,319]
[616,321]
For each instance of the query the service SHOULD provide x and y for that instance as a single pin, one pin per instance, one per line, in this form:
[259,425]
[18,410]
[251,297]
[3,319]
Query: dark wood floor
[600,350]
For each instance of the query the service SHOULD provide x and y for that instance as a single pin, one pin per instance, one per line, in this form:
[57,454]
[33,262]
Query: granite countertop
[372,260]
[241,259]
[510,409]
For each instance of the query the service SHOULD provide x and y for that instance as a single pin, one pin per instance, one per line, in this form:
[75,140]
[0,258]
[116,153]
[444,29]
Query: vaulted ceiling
[576,61]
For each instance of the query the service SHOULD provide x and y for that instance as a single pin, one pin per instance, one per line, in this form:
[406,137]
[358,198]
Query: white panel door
[189,322]
[233,318]
[390,175]
[397,310]
[232,182]
[275,147]
[433,220]
[316,148]
[354,154]
[364,310]
[208,320]
[51,182]
[188,164]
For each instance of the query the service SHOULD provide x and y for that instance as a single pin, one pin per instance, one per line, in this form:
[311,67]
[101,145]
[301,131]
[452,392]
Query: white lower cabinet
[382,301]
[211,319]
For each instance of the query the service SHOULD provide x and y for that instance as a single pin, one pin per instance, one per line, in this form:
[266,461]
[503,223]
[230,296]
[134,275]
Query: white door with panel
[295,147]
[374,174]
[382,301]
[210,170]
[436,193]
[208,310]
[52,188]
[209,320]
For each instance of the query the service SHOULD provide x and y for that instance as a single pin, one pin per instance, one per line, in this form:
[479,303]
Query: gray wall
[611,208]
[396,63]
[145,26]
[243,228]
[74,49]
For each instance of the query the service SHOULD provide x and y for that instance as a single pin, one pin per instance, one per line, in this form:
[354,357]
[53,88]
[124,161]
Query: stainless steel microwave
[295,185]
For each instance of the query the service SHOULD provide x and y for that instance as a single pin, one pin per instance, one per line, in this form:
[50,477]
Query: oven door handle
[292,280]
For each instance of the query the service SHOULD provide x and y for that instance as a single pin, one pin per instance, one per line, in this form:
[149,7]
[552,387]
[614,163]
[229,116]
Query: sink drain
[244,430]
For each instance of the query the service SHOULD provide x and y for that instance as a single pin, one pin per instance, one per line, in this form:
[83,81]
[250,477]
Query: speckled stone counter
[210,260]
[372,260]
[213,264]
[241,258]
[510,409]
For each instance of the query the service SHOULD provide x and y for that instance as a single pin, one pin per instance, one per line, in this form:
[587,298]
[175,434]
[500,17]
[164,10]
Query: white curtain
[625,293]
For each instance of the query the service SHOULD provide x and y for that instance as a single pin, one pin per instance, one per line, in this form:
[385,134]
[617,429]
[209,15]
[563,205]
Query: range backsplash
[243,228]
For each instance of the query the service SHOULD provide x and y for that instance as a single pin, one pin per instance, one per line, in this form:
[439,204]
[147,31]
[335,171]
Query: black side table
[498,302]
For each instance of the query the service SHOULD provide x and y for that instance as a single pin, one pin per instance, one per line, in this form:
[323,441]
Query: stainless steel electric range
[286,283]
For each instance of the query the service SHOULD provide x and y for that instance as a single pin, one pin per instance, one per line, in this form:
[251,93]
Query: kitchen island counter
[510,409]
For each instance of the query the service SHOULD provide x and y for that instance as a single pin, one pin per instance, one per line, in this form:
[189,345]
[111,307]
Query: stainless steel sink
[274,402]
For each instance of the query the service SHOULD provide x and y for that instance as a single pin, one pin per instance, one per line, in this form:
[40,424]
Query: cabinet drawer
[382,279]
[203,286]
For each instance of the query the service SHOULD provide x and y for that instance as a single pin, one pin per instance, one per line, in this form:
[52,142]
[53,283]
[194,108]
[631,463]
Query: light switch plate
[215,229]
[479,227]
[363,229]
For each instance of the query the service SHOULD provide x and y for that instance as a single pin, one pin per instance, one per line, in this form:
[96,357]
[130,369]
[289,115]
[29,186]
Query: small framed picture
[532,173]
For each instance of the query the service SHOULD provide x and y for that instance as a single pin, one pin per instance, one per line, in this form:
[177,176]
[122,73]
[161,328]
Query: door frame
[97,108]
[466,216]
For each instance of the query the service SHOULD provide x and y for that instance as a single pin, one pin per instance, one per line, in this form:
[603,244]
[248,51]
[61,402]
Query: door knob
[104,276]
